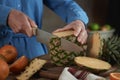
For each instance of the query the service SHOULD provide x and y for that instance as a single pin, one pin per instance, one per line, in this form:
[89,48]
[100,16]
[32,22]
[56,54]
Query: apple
[9,52]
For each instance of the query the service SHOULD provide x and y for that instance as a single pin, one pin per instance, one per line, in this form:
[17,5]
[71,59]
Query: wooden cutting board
[49,70]
[52,72]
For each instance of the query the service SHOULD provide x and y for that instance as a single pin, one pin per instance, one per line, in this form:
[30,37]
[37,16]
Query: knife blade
[44,37]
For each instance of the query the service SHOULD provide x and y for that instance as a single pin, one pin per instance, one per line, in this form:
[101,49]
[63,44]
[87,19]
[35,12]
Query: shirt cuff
[4,14]
[75,12]
[82,17]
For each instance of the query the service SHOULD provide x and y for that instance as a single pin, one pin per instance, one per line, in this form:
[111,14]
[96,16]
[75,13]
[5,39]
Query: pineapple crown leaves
[111,52]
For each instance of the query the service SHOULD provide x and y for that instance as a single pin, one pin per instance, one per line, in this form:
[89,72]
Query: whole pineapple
[59,56]
[108,50]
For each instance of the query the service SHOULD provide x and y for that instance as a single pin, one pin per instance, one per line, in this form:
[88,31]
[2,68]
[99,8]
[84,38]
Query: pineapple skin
[62,57]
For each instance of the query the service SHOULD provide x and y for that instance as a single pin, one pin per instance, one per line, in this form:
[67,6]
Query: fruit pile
[9,62]
[98,27]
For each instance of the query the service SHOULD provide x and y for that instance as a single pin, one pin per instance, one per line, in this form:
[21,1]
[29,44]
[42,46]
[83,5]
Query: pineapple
[95,45]
[35,65]
[92,64]
[105,49]
[59,56]
[111,50]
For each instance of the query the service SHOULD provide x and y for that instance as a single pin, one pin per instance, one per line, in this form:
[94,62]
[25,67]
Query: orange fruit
[115,76]
[9,52]
[19,65]
[4,70]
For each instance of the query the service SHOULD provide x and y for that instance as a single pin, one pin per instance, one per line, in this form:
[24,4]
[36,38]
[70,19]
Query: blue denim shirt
[68,10]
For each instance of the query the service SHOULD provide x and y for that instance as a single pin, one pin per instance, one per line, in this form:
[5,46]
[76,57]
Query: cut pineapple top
[95,45]
[92,63]
[64,33]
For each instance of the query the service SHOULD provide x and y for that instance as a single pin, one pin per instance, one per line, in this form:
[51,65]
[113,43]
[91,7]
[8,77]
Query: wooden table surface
[48,72]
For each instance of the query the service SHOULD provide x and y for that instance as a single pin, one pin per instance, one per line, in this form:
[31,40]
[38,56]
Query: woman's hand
[20,23]
[79,30]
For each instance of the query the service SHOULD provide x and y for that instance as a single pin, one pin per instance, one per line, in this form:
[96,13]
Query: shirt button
[18,5]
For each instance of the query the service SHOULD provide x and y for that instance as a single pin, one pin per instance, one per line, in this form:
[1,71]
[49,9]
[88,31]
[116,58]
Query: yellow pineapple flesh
[95,45]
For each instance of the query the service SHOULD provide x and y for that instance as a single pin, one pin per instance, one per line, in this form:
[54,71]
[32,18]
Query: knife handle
[34,30]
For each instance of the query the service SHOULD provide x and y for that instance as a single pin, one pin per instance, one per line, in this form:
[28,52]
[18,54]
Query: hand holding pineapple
[79,30]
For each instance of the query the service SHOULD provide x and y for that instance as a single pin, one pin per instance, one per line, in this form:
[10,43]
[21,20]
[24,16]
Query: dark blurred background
[99,11]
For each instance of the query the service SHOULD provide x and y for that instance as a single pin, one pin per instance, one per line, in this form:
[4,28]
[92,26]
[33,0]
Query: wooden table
[48,72]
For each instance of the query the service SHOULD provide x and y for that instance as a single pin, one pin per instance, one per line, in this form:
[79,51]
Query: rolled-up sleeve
[4,12]
[68,10]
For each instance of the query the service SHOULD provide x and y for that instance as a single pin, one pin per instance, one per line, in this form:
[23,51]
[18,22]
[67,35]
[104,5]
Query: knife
[44,37]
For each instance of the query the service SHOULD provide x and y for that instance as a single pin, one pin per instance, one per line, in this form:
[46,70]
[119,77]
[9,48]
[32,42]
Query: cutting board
[52,72]
[49,70]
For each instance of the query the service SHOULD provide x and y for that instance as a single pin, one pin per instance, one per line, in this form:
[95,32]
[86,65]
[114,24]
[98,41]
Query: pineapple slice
[92,63]
[35,65]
